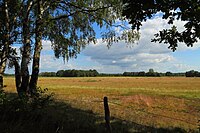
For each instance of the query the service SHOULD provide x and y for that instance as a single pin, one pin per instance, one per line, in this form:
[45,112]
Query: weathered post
[107,114]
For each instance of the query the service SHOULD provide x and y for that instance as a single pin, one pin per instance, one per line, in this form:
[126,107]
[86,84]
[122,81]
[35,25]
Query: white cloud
[120,57]
[49,63]
[141,56]
[46,45]
[184,67]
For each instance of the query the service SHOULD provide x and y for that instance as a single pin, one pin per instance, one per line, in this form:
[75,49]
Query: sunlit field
[158,102]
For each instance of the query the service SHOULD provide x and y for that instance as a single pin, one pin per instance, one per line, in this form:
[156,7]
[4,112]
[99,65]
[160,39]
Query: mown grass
[136,104]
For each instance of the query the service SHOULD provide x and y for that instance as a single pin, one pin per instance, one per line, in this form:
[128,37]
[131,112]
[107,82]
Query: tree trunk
[1,81]
[2,69]
[36,64]
[26,54]
[3,60]
[37,50]
[5,49]
[18,78]
[24,65]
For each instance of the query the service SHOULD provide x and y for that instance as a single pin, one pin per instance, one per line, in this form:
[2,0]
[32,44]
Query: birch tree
[8,32]
[69,25]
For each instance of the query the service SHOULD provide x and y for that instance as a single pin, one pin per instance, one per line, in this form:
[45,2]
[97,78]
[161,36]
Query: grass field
[163,102]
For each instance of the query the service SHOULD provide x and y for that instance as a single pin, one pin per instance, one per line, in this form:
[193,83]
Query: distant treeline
[78,73]
[9,75]
[152,74]
[192,73]
[71,73]
[94,73]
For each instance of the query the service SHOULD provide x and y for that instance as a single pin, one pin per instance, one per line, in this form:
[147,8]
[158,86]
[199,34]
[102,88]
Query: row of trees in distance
[151,73]
[94,73]
[154,74]
[71,73]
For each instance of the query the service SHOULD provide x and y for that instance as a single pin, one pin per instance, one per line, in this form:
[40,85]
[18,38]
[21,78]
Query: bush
[2,97]
[24,113]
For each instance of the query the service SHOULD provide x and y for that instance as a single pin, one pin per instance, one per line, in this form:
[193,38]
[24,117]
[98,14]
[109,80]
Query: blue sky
[141,56]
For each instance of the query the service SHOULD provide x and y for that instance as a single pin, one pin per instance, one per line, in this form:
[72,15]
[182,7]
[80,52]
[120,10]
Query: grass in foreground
[144,104]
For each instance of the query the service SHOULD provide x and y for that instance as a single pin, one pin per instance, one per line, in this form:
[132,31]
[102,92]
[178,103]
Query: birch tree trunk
[37,50]
[6,44]
[22,81]
[2,67]
[17,77]
[26,53]
[1,77]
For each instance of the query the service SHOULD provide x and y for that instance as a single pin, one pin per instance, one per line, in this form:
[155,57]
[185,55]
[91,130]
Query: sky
[121,57]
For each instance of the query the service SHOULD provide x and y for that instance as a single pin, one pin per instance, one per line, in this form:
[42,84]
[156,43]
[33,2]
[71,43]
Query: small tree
[168,74]
[151,70]
[151,73]
[60,73]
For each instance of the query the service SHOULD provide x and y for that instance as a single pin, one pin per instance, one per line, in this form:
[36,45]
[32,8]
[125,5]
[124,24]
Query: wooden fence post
[107,114]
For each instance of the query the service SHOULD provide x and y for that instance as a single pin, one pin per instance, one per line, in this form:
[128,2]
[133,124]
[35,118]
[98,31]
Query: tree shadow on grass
[60,117]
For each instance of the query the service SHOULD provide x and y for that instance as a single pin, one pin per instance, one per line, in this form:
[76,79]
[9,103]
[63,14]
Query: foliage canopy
[138,11]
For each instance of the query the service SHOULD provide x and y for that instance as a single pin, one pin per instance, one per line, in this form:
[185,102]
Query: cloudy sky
[129,57]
